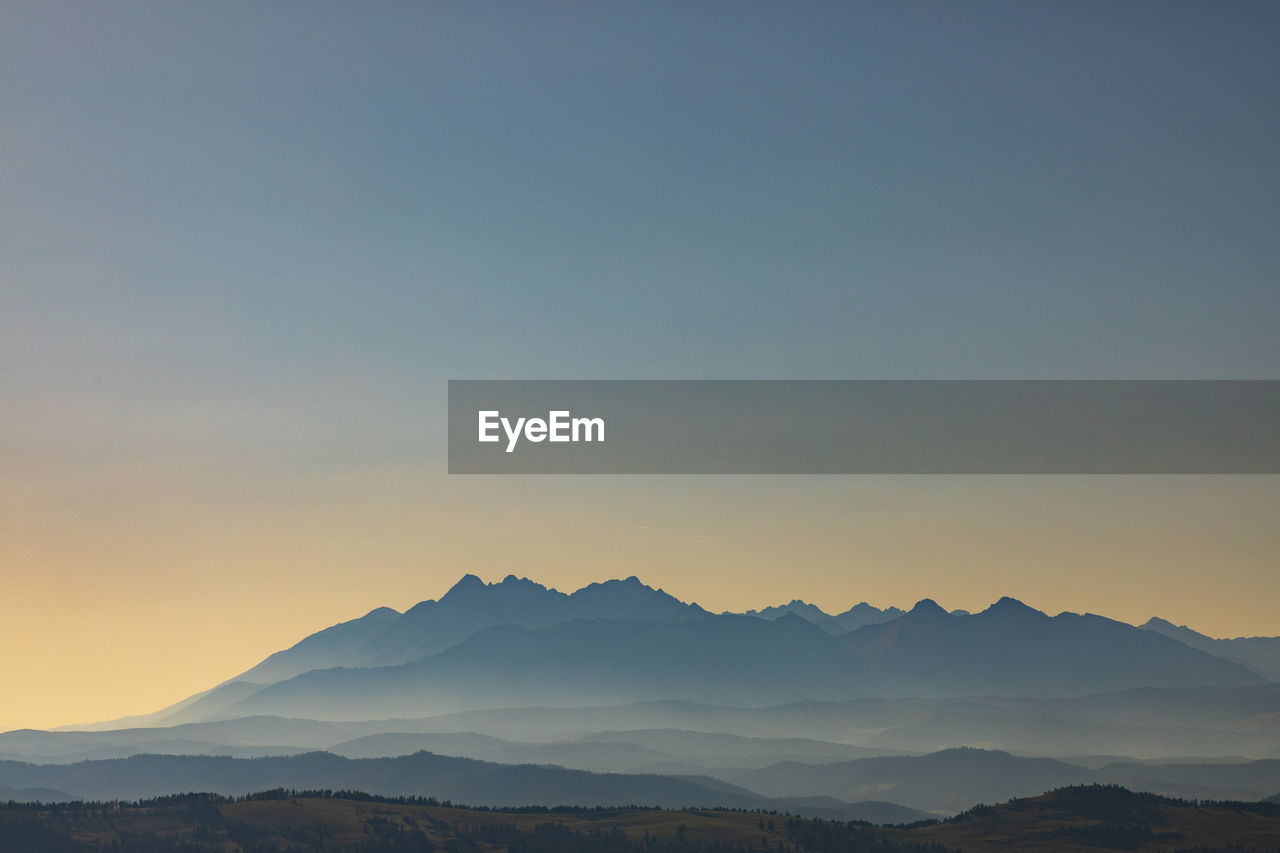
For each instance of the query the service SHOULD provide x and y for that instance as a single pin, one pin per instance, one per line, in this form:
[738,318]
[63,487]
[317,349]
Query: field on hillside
[1079,818]
[1104,817]
[352,820]
[309,822]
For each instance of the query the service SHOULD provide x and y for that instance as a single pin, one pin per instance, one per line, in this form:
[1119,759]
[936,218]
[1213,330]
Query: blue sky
[243,245]
[434,190]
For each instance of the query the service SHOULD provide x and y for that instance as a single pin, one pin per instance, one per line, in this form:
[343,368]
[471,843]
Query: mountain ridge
[1007,649]
[518,642]
[1261,654]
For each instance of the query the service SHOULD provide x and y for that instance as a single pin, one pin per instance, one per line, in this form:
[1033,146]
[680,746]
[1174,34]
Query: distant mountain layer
[421,774]
[941,782]
[9,794]
[683,737]
[852,619]
[661,751]
[954,779]
[1008,649]
[1261,654]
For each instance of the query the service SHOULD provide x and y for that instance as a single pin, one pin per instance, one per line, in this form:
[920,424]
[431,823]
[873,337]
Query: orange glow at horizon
[120,607]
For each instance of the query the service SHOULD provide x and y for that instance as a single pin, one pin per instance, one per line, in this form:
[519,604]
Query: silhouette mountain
[864,614]
[947,781]
[729,659]
[385,637]
[518,643]
[855,617]
[1013,649]
[954,779]
[630,599]
[1261,654]
[809,612]
[1008,649]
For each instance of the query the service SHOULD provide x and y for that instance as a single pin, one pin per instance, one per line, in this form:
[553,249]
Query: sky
[243,246]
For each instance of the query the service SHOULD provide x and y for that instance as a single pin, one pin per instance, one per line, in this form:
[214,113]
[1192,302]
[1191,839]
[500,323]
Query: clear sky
[243,246]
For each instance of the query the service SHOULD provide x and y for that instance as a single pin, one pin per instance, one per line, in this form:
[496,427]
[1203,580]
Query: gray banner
[864,427]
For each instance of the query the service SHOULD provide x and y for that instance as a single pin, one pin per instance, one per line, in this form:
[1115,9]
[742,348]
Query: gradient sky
[243,245]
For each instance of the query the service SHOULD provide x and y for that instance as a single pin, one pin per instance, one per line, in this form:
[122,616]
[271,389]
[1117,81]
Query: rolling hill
[1077,818]
[421,774]
[955,779]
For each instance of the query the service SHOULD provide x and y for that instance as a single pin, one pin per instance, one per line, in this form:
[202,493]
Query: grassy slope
[1103,817]
[1083,818]
[345,820]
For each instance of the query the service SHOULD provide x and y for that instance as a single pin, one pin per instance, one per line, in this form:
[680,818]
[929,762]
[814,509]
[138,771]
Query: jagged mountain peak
[467,583]
[795,605]
[630,584]
[473,590]
[512,580]
[799,608]
[630,598]
[862,614]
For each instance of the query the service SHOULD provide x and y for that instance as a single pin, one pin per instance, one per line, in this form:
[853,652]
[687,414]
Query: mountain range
[1261,654]
[385,637]
[938,783]
[518,643]
[514,693]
